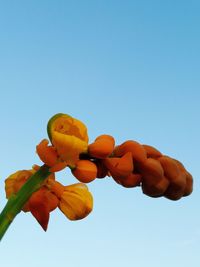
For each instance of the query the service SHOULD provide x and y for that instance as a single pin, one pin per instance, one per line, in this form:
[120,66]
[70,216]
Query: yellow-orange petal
[56,187]
[67,125]
[102,147]
[76,202]
[68,147]
[15,181]
[138,152]
[85,171]
[69,136]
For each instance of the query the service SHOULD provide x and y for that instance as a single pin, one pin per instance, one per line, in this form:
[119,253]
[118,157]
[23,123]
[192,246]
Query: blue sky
[125,68]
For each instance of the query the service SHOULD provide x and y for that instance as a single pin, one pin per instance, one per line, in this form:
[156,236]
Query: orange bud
[102,171]
[131,180]
[69,136]
[154,188]
[76,202]
[102,147]
[120,167]
[177,178]
[189,185]
[85,171]
[138,152]
[151,168]
[189,180]
[152,152]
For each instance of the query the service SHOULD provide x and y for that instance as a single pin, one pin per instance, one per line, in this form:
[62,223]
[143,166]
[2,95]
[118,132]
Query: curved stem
[17,201]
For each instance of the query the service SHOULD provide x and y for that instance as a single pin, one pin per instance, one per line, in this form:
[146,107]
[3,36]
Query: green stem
[17,201]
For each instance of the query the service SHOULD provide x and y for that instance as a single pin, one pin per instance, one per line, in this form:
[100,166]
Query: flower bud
[129,181]
[120,167]
[102,171]
[177,178]
[152,152]
[68,136]
[151,167]
[102,147]
[138,152]
[154,188]
[85,171]
[76,202]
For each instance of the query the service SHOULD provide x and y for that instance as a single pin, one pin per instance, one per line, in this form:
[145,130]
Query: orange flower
[85,171]
[76,202]
[49,156]
[68,136]
[41,202]
[102,147]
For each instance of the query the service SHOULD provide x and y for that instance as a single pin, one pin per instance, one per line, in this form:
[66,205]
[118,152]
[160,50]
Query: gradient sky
[125,68]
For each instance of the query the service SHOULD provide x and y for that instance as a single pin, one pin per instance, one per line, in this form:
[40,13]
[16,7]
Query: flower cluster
[75,201]
[130,164]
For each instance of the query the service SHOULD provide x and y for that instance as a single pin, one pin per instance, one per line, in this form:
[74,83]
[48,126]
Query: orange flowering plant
[130,164]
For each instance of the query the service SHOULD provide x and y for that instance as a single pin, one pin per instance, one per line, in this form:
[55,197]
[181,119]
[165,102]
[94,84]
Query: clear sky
[125,68]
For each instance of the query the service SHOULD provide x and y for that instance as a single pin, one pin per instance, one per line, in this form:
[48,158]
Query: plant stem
[17,201]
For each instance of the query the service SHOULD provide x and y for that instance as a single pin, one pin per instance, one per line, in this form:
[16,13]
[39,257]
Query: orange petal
[85,171]
[120,166]
[52,200]
[131,180]
[56,187]
[138,152]
[102,147]
[46,153]
[39,208]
